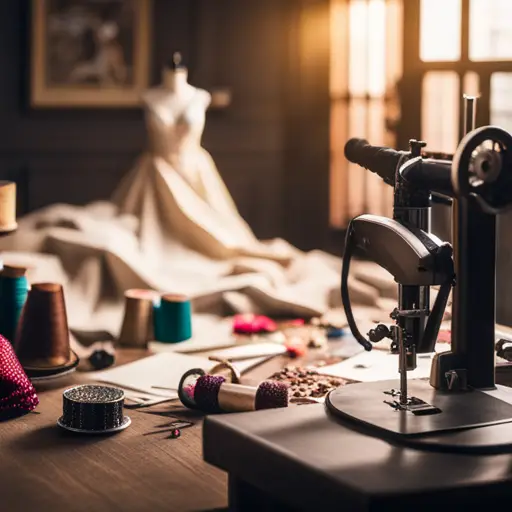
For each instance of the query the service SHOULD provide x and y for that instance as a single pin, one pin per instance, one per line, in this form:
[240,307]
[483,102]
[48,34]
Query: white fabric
[172,226]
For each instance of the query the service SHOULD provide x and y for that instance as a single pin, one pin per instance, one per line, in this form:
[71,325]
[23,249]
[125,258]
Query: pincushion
[17,394]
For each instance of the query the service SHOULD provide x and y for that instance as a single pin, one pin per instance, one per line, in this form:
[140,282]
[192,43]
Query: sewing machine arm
[411,256]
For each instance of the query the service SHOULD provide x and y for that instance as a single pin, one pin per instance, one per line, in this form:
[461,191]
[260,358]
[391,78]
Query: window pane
[501,100]
[358,56]
[490,32]
[367,24]
[376,48]
[440,29]
[440,111]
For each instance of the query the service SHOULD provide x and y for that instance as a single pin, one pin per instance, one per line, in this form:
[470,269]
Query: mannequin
[176,190]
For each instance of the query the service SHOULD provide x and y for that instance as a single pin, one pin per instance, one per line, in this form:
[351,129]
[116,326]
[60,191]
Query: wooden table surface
[44,468]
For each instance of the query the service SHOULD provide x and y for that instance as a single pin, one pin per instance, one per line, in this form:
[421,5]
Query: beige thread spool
[7,206]
[137,327]
[236,397]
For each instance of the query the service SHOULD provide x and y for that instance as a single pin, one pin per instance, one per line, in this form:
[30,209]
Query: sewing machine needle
[402,368]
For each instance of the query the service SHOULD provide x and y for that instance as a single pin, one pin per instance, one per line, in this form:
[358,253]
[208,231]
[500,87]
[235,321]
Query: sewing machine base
[310,460]
[466,416]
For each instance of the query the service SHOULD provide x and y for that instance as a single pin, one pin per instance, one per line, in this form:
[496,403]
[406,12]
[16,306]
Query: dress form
[176,190]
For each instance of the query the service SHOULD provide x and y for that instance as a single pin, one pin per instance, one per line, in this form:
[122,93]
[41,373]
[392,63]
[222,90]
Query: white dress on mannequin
[176,191]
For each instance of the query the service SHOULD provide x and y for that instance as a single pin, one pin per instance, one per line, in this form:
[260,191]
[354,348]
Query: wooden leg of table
[244,497]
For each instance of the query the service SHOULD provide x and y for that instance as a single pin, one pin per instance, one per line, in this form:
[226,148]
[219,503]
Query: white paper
[159,370]
[376,365]
[248,364]
[250,350]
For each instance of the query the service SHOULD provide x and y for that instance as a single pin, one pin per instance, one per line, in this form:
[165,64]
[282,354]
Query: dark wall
[77,156]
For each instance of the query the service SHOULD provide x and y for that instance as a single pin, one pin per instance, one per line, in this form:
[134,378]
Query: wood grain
[45,468]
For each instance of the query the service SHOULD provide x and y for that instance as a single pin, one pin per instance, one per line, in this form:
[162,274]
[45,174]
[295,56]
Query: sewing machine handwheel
[480,168]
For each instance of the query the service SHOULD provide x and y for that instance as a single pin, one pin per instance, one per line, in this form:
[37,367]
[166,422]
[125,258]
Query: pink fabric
[17,394]
[253,324]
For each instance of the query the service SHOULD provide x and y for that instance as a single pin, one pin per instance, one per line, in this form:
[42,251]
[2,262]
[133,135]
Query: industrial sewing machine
[479,179]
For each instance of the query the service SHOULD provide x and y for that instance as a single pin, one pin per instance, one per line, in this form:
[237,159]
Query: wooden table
[44,468]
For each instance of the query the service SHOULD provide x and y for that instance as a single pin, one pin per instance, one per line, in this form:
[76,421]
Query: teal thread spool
[172,319]
[13,295]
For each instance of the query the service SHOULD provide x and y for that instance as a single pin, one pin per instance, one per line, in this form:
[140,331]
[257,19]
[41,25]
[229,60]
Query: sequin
[17,394]
[175,433]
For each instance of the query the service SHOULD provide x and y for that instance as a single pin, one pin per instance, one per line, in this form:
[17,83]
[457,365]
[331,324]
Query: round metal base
[471,422]
[126,423]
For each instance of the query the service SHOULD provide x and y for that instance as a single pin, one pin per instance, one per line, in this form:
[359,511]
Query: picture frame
[89,53]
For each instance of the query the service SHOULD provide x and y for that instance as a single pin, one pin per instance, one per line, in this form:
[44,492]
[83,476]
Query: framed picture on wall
[89,53]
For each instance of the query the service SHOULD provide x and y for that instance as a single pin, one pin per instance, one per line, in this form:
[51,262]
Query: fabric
[172,226]
[17,394]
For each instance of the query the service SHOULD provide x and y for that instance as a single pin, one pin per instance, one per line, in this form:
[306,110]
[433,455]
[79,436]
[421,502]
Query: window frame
[414,70]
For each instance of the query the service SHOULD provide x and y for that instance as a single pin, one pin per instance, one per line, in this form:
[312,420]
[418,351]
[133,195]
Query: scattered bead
[307,382]
[175,433]
[295,347]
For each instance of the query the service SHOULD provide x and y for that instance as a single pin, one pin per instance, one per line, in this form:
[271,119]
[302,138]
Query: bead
[175,433]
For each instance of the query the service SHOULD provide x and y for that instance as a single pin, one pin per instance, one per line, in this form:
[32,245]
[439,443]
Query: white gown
[172,226]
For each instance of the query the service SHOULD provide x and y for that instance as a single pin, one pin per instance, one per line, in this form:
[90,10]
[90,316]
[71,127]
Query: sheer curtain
[366,58]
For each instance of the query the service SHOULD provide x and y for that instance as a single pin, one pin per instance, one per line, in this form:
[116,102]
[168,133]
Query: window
[365,65]
[462,46]
[466,50]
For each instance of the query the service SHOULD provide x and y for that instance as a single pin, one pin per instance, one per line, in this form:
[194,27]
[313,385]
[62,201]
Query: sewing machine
[479,179]
[399,443]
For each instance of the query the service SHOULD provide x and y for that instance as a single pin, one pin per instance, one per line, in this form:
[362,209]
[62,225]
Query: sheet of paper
[150,373]
[376,365]
[249,364]
[250,350]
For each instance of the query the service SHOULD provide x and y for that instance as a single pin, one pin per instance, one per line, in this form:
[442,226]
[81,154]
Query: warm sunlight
[440,30]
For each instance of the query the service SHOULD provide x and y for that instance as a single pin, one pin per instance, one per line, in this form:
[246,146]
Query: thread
[42,339]
[13,295]
[7,206]
[137,326]
[93,408]
[172,319]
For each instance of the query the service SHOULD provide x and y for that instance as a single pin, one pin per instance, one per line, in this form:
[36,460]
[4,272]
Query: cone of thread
[7,206]
[173,319]
[13,294]
[137,326]
[42,339]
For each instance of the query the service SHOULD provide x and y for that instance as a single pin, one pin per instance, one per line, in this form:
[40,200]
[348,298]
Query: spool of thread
[42,339]
[137,327]
[211,394]
[7,206]
[94,409]
[13,295]
[172,319]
